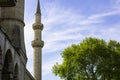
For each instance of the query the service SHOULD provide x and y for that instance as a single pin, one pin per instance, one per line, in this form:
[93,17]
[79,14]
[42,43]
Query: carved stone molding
[37,26]
[37,43]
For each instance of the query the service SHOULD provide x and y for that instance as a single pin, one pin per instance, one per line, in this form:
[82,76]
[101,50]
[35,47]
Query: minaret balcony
[37,43]
[37,26]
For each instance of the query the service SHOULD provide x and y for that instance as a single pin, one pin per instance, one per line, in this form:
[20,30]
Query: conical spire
[38,11]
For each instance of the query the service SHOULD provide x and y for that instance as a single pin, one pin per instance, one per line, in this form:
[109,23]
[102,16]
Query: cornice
[37,43]
[37,26]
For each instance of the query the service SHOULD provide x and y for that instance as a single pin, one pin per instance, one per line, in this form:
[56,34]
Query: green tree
[92,59]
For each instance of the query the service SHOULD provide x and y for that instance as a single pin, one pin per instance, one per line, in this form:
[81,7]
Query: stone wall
[10,57]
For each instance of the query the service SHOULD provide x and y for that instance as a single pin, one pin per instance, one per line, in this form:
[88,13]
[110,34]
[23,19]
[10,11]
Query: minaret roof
[38,11]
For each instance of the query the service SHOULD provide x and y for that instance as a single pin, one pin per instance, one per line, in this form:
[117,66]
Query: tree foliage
[92,59]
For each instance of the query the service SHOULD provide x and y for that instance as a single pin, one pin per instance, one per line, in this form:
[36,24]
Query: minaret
[37,44]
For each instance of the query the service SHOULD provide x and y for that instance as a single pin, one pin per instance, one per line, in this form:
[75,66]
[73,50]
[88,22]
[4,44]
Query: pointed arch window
[16,72]
[7,70]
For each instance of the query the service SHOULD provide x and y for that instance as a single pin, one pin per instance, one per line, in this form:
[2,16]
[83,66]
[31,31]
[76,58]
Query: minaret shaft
[37,63]
[37,35]
[37,44]
[38,18]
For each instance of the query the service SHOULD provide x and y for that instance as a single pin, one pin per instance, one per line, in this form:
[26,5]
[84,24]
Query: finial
[38,8]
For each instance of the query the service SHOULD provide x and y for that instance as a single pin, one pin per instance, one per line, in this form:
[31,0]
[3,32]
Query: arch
[16,72]
[7,70]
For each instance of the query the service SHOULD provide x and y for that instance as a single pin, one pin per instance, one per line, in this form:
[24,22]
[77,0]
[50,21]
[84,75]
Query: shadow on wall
[7,3]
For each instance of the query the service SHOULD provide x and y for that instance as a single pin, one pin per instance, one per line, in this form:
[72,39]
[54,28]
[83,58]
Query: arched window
[7,70]
[16,72]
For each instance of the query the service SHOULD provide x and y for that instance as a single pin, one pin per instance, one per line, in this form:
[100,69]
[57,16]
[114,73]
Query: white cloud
[47,66]
[116,4]
[65,25]
[106,14]
[111,33]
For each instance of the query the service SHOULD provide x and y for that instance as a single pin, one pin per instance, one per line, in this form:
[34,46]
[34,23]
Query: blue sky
[67,22]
